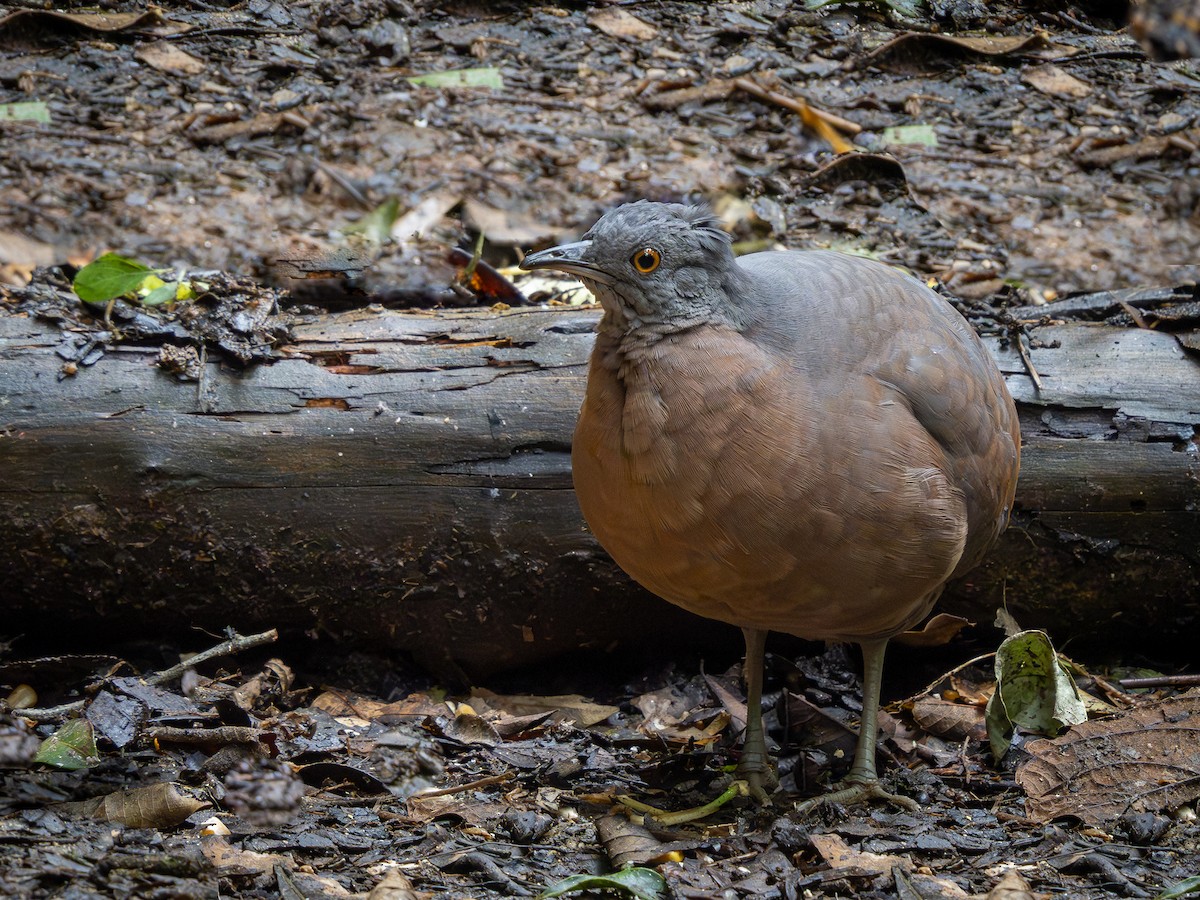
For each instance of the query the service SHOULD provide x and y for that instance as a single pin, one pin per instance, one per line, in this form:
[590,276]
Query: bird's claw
[759,775]
[858,790]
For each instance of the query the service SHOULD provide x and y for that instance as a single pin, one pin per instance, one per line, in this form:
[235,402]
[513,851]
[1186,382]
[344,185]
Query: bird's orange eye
[646,260]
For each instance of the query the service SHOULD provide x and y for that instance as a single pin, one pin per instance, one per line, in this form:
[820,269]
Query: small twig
[1024,354]
[223,734]
[477,254]
[469,786]
[833,119]
[235,644]
[818,122]
[1160,681]
[49,713]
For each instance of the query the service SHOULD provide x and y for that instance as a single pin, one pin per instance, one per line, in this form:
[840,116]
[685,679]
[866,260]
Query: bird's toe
[858,790]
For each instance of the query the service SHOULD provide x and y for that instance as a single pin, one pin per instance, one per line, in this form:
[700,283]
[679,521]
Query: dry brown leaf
[103,22]
[732,702]
[1011,887]
[1133,762]
[168,58]
[472,729]
[580,710]
[627,843]
[877,168]
[672,703]
[938,631]
[924,50]
[346,705]
[816,728]
[466,806]
[620,24]
[1050,79]
[273,680]
[948,720]
[393,886]
[1007,623]
[840,855]
[262,123]
[229,860]
[967,690]
[919,885]
[162,805]
[507,226]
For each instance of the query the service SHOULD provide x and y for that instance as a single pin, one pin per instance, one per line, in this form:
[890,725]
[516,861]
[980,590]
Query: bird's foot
[858,789]
[759,776]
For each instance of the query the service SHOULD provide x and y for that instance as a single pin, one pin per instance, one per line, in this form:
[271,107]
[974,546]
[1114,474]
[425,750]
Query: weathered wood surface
[405,479]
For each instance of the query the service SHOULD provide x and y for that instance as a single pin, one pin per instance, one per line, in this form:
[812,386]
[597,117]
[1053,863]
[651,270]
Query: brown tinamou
[797,441]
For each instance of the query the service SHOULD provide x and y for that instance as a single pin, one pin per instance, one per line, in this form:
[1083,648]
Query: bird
[799,441]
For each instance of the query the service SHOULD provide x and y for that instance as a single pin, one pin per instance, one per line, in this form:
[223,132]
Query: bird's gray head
[659,264]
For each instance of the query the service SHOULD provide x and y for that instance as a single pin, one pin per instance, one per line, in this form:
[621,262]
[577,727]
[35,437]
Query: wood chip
[1050,79]
[168,58]
[620,24]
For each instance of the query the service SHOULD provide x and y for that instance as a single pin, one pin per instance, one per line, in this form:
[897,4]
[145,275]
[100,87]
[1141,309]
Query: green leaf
[1033,691]
[376,226]
[109,277]
[164,293]
[1181,889]
[35,111]
[485,76]
[73,746]
[642,884]
[924,135]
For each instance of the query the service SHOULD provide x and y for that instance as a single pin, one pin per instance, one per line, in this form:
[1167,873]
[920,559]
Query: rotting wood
[404,479]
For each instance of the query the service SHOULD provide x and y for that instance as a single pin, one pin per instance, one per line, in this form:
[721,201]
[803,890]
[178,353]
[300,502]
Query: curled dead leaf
[938,631]
[948,720]
[162,805]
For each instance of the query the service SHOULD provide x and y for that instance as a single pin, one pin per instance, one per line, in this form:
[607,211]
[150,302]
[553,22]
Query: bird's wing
[837,315]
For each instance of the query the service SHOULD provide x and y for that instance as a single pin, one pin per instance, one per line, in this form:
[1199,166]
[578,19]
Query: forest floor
[1018,151]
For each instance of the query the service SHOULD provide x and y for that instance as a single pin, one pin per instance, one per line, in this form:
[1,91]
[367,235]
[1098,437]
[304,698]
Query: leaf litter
[482,793]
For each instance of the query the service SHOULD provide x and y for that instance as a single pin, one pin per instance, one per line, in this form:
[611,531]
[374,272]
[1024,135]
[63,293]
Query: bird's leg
[754,775]
[754,766]
[863,781]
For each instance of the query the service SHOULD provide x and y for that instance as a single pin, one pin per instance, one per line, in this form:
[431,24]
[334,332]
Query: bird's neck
[629,333]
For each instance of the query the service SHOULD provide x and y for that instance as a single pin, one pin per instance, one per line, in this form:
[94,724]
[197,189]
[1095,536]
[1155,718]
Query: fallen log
[404,480]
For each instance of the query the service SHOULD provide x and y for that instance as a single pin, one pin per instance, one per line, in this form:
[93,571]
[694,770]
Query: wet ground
[1050,156]
[1053,156]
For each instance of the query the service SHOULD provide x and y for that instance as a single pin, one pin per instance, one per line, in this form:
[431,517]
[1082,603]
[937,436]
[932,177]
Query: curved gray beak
[571,258]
